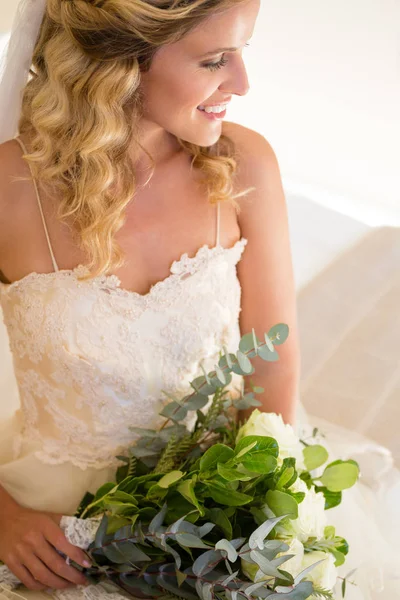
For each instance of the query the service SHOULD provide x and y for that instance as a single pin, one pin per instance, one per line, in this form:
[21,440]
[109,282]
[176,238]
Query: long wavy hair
[82,106]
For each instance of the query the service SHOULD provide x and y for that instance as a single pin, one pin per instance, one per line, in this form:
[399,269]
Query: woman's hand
[29,541]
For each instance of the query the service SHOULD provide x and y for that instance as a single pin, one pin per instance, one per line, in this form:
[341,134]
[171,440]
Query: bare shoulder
[250,144]
[257,167]
[11,165]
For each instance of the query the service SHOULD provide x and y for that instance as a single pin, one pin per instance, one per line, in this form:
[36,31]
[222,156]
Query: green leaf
[285,477]
[332,499]
[265,353]
[218,516]
[196,402]
[186,489]
[279,334]
[180,577]
[244,363]
[260,462]
[174,411]
[339,557]
[200,385]
[266,566]
[101,532]
[105,489]
[219,453]
[205,562]
[300,592]
[247,346]
[263,444]
[340,476]
[232,474]
[113,554]
[329,532]
[226,496]
[315,456]
[282,504]
[227,547]
[244,403]
[189,540]
[123,497]
[170,478]
[247,448]
[256,539]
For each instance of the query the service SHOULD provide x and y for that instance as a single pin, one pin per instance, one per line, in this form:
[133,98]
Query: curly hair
[82,106]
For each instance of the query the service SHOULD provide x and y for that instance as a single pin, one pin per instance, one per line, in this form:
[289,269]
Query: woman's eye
[218,65]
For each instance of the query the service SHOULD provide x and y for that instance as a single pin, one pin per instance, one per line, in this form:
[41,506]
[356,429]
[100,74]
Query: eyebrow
[217,51]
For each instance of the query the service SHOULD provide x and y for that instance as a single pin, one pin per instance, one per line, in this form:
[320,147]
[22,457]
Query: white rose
[272,425]
[299,486]
[325,574]
[311,521]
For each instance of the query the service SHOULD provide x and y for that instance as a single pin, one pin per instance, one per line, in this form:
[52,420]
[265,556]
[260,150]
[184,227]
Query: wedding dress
[92,359]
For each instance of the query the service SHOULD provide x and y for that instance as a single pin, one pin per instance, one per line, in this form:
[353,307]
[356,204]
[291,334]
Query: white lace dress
[92,359]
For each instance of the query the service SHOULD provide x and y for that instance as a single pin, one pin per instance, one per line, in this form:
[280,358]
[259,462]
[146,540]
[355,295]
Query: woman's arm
[266,274]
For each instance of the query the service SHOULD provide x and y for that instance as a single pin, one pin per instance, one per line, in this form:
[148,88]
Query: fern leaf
[322,593]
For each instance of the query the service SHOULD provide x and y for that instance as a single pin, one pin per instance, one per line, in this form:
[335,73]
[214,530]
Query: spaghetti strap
[21,143]
[218,223]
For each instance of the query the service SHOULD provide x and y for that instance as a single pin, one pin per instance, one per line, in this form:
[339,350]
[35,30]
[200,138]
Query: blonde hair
[82,106]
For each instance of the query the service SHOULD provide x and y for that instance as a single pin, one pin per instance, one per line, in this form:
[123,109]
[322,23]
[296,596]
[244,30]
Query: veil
[15,62]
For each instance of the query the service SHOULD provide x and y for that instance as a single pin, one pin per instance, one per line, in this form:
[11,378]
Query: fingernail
[87,564]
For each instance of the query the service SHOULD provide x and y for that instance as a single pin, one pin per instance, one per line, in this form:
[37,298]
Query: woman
[123,259]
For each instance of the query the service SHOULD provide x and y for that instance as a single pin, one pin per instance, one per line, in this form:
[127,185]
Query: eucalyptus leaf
[227,547]
[256,539]
[101,532]
[265,353]
[246,345]
[244,363]
[206,562]
[158,520]
[279,333]
[196,402]
[305,572]
[266,566]
[174,411]
[302,591]
[190,541]
[200,385]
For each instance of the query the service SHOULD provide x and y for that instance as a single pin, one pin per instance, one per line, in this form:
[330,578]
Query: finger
[25,577]
[50,557]
[56,537]
[41,573]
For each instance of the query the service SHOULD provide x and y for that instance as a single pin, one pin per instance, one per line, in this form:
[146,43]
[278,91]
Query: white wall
[325,79]
[325,91]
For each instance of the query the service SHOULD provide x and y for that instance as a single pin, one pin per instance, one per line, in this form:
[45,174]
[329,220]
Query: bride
[126,258]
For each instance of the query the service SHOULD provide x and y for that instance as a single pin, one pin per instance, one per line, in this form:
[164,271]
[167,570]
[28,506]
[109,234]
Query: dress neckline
[113,281]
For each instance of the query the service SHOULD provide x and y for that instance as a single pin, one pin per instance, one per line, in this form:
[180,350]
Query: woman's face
[185,75]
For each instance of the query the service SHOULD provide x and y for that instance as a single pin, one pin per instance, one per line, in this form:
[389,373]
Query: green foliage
[186,511]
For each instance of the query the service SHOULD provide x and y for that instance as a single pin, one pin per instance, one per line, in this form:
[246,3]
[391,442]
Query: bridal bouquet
[223,510]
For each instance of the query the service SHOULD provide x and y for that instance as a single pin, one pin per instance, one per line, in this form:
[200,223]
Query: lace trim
[183,264]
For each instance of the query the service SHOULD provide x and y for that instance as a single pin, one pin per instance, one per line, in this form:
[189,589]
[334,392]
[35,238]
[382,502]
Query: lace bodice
[92,359]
